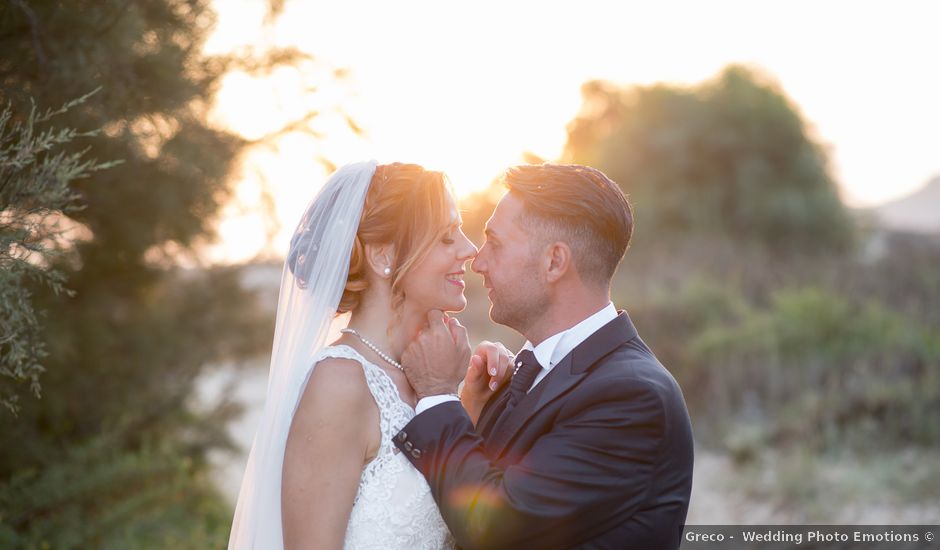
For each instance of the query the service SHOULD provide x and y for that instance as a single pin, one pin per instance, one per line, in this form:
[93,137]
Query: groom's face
[510,266]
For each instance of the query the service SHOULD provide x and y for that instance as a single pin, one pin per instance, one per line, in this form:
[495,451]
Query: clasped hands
[439,358]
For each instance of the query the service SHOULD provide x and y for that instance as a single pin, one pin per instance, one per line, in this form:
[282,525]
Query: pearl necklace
[374,348]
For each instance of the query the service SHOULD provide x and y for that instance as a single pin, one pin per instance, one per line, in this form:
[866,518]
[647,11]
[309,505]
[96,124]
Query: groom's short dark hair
[580,206]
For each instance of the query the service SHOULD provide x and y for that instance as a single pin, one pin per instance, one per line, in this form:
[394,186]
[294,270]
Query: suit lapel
[566,374]
[557,382]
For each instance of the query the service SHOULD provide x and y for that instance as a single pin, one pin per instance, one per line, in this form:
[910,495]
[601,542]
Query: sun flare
[471,91]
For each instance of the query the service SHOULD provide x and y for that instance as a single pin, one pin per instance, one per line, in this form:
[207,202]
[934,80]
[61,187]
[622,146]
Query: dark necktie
[527,368]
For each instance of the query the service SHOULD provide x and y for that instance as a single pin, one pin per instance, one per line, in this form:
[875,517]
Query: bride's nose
[469,250]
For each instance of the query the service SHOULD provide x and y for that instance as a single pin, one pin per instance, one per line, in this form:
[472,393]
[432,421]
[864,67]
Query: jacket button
[402,436]
[416,453]
[409,445]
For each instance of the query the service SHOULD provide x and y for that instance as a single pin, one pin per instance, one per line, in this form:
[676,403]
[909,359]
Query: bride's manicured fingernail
[493,371]
[493,385]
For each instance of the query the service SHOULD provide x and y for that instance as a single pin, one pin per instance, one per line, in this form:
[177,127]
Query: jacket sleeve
[596,463]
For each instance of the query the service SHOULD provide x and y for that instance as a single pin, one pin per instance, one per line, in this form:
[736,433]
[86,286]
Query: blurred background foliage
[800,330]
[729,158]
[113,455]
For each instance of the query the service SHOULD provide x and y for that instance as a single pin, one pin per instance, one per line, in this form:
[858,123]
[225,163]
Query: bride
[383,244]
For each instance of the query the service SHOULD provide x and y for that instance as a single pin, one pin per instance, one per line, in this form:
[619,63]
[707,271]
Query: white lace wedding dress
[393,508]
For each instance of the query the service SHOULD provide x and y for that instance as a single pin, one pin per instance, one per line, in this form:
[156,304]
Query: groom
[590,444]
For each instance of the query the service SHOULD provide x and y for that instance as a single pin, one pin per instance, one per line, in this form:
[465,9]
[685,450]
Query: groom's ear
[559,260]
[379,257]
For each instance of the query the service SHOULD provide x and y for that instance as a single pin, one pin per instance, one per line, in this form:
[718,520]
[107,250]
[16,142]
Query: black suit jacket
[597,455]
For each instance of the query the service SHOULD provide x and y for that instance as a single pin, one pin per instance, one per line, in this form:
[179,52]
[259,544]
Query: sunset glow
[469,90]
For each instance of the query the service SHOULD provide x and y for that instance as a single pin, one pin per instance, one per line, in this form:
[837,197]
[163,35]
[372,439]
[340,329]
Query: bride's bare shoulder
[336,405]
[337,381]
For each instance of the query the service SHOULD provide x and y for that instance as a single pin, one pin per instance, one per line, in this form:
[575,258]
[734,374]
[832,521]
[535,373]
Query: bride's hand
[489,370]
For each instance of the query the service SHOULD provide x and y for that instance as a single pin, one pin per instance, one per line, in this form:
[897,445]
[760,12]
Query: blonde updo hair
[406,206]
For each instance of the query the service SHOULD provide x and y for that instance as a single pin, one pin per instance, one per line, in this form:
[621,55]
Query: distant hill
[918,212]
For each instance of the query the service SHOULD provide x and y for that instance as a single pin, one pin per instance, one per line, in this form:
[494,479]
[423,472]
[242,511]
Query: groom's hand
[436,361]
[489,370]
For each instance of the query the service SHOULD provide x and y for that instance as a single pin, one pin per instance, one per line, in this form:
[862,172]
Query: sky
[468,87]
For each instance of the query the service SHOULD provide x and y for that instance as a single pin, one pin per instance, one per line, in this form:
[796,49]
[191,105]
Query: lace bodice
[393,507]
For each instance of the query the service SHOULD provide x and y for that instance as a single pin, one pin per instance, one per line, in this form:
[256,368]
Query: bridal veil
[312,284]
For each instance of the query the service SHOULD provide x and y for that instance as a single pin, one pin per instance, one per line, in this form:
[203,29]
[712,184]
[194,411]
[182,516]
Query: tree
[36,196]
[730,158]
[114,453]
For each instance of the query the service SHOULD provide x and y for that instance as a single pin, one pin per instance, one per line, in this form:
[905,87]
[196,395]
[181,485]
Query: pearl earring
[387,271]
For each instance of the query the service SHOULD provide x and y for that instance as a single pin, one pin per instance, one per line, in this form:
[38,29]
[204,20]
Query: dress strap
[393,412]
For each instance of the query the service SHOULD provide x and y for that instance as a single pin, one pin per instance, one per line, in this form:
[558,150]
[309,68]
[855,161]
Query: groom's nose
[478,264]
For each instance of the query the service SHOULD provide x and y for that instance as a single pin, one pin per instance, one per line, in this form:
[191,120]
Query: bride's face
[437,281]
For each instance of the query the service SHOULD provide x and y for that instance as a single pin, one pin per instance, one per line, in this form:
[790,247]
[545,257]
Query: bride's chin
[455,307]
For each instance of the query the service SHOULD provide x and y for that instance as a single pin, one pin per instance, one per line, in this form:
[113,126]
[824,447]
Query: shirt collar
[556,347]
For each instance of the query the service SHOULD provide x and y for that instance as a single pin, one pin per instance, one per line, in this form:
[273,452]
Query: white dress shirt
[548,353]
